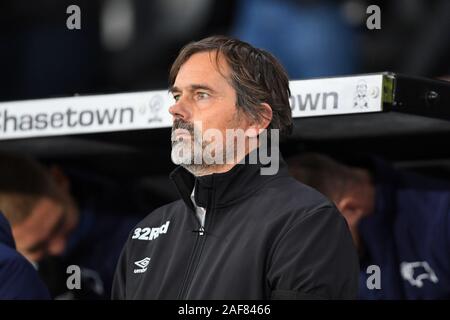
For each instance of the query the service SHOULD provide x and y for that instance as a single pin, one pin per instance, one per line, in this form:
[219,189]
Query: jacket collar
[222,189]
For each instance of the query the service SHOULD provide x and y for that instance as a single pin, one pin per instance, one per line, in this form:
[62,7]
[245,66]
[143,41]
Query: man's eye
[176,97]
[202,95]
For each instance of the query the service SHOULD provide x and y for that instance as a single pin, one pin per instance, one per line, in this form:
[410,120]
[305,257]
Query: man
[18,279]
[235,233]
[399,222]
[53,232]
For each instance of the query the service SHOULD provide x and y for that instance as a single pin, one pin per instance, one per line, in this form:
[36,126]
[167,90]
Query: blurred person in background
[53,232]
[18,279]
[400,221]
[310,38]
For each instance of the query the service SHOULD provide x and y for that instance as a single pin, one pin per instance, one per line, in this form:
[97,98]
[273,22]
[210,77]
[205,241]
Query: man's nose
[180,110]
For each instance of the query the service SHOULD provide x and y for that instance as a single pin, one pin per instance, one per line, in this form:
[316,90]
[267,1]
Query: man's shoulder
[288,200]
[8,256]
[13,263]
[166,211]
[291,192]
[18,278]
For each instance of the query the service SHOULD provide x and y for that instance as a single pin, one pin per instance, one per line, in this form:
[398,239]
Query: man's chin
[180,154]
[199,169]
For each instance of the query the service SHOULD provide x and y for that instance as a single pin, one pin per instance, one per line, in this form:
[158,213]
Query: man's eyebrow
[193,87]
[174,89]
[201,86]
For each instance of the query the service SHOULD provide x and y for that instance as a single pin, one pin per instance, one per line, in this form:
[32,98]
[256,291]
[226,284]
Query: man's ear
[351,209]
[59,177]
[255,128]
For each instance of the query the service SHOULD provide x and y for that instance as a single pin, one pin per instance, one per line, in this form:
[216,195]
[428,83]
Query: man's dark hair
[322,173]
[256,75]
[23,182]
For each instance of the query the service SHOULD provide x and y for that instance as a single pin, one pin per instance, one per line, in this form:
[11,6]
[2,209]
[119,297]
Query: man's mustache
[180,124]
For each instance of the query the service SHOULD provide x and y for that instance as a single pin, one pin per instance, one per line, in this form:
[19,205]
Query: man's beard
[185,150]
[189,152]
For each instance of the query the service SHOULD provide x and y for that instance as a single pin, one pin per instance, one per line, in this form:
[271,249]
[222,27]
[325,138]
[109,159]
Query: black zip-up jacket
[265,237]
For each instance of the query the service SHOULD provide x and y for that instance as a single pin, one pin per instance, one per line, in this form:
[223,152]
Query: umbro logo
[142,264]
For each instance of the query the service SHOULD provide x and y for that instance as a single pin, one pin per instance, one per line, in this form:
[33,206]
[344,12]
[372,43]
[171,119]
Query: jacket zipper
[181,294]
[195,255]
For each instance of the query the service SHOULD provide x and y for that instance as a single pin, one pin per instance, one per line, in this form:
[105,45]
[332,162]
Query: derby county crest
[360,99]
[155,105]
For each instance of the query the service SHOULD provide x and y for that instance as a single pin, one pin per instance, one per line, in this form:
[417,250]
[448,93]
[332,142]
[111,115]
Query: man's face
[203,97]
[44,232]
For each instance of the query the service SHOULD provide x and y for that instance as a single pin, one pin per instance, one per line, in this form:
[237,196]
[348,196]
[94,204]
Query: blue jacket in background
[18,278]
[407,236]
